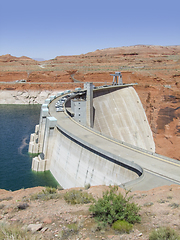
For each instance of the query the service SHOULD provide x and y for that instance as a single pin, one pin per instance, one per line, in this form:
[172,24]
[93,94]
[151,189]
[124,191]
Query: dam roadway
[154,170]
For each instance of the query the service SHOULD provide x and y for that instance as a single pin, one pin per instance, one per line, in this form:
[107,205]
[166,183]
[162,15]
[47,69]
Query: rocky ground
[49,219]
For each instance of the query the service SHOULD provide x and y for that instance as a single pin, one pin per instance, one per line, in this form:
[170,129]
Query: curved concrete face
[120,115]
[77,154]
[73,164]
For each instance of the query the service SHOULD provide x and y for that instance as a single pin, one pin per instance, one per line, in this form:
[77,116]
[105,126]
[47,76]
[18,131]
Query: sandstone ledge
[25,97]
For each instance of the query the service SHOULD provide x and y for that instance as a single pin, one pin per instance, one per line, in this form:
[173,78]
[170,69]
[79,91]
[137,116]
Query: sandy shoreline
[25,97]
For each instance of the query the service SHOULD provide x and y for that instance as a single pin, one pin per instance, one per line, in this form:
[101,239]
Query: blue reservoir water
[17,122]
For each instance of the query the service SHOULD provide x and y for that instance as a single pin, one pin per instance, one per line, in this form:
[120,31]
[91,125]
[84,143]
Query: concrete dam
[99,136]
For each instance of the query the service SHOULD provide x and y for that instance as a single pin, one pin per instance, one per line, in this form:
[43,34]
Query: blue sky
[46,29]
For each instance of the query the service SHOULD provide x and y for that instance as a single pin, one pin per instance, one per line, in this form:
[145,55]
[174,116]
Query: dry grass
[15,232]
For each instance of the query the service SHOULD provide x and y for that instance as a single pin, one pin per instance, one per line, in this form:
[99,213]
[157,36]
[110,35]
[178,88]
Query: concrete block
[48,141]
[60,94]
[89,105]
[52,97]
[85,85]
[42,166]
[67,91]
[51,122]
[39,165]
[32,137]
[35,164]
[78,89]
[35,148]
[44,106]
[31,147]
[47,101]
[37,129]
[45,112]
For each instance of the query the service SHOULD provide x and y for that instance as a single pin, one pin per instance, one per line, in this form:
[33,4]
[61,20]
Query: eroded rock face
[162,108]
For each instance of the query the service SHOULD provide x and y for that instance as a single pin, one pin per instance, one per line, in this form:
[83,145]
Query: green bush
[77,197]
[49,190]
[164,233]
[122,226]
[112,207]
[46,194]
[73,227]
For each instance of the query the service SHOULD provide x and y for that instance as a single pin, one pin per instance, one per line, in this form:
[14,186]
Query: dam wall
[119,114]
[76,163]
[117,149]
[71,159]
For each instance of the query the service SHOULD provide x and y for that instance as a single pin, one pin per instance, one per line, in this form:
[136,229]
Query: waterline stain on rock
[166,116]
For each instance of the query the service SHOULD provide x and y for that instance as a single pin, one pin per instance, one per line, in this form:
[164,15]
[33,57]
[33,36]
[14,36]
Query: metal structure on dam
[100,136]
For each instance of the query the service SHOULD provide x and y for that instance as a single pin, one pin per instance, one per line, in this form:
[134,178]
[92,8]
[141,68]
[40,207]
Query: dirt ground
[159,207]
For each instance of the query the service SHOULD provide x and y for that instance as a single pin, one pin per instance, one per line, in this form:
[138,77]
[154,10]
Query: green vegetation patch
[46,194]
[114,206]
[174,205]
[122,226]
[164,233]
[73,227]
[8,232]
[78,197]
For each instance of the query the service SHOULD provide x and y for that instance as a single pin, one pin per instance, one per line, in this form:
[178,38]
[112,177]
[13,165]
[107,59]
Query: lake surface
[17,122]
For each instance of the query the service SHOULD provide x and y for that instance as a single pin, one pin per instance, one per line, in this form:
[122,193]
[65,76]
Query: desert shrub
[73,227]
[8,232]
[148,204]
[46,194]
[2,206]
[100,226]
[122,226]
[174,205]
[112,207]
[70,230]
[22,206]
[164,233]
[77,197]
[49,190]
[6,198]
[161,201]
